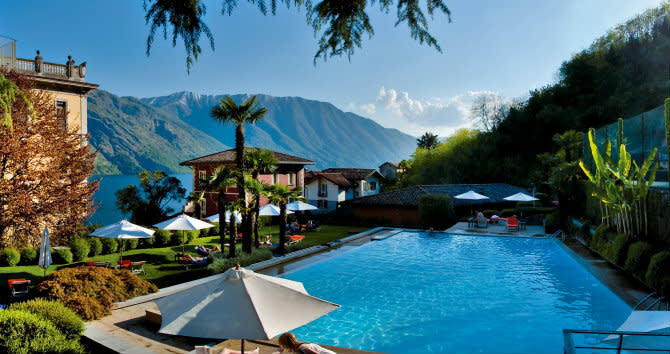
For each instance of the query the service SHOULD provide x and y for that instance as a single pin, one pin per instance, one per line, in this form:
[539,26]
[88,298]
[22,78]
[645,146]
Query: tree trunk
[239,159]
[233,234]
[255,218]
[222,227]
[282,228]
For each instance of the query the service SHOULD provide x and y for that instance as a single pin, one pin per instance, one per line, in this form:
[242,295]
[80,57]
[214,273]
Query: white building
[325,189]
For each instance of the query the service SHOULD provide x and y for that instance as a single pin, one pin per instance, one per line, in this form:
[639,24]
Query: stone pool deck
[461,228]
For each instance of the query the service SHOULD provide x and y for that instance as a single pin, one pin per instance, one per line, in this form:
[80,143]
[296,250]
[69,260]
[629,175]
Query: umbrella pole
[182,241]
[242,346]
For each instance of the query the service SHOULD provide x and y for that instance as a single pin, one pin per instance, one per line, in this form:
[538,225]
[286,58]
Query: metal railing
[569,346]
[657,301]
[558,233]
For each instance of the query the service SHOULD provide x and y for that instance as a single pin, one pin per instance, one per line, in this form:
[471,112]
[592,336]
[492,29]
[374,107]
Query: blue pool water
[421,293]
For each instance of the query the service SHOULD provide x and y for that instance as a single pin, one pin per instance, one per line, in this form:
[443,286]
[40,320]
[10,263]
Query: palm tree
[428,141]
[258,161]
[248,112]
[257,189]
[280,195]
[220,181]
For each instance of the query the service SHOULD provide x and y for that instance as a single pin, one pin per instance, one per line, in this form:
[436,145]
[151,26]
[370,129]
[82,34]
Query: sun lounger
[18,287]
[137,267]
[512,224]
[124,263]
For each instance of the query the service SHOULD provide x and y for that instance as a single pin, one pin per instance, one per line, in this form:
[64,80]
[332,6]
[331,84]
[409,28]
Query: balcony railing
[323,193]
[38,67]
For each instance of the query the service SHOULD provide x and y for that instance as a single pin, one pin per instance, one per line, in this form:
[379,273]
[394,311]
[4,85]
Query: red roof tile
[228,156]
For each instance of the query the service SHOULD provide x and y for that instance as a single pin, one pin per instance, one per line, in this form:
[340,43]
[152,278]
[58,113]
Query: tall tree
[221,180]
[667,135]
[249,112]
[488,111]
[259,161]
[149,204]
[427,141]
[43,167]
[342,24]
[281,195]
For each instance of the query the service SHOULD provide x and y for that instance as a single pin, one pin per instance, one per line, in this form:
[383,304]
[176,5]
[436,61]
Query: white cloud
[437,115]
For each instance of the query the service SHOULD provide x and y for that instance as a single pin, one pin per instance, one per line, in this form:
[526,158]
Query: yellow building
[66,82]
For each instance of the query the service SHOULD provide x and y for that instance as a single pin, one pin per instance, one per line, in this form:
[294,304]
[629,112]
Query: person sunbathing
[195,260]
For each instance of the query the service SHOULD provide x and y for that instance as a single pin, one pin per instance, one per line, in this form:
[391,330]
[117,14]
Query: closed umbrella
[45,251]
[300,206]
[240,304]
[123,230]
[215,217]
[520,197]
[183,222]
[471,195]
[271,210]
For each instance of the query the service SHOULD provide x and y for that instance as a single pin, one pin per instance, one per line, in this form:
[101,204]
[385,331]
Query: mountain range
[153,133]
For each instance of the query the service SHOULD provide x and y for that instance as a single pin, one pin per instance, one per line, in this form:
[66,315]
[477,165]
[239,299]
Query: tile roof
[394,164]
[336,178]
[228,156]
[353,174]
[409,197]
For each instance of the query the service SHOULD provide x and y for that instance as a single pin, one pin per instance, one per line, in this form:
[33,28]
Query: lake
[107,212]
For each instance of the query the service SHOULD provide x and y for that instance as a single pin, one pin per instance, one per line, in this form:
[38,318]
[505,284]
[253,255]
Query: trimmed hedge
[638,258]
[162,238]
[91,291]
[68,322]
[220,263]
[9,257]
[95,246]
[130,244]
[212,231]
[62,256]
[28,256]
[109,245]
[80,248]
[620,249]
[585,231]
[24,332]
[436,210]
[658,273]
[552,222]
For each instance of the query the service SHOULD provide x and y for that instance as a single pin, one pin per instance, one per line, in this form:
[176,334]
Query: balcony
[323,193]
[37,66]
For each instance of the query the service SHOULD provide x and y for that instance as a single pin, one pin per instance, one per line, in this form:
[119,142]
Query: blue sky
[502,47]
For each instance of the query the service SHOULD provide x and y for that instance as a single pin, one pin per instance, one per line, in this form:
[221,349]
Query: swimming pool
[423,293]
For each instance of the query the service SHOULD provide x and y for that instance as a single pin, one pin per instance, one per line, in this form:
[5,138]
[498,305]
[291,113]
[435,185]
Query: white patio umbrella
[644,321]
[300,206]
[45,251]
[183,222]
[240,304]
[123,230]
[471,195]
[520,197]
[271,210]
[215,217]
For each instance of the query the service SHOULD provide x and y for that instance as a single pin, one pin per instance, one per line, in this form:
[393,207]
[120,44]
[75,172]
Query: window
[275,178]
[323,190]
[61,111]
[323,204]
[373,186]
[203,207]
[202,177]
[291,179]
[365,185]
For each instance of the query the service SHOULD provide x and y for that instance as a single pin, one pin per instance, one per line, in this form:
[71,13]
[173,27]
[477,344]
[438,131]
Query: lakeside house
[390,170]
[325,189]
[65,82]
[290,172]
[401,207]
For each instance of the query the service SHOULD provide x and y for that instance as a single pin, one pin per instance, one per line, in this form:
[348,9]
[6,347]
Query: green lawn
[161,268]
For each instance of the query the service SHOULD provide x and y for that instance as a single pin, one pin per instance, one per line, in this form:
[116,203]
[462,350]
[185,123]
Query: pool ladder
[558,233]
[655,301]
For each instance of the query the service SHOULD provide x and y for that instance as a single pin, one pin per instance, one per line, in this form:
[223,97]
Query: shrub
[65,320]
[91,291]
[62,256]
[204,232]
[658,273]
[638,258]
[507,212]
[79,248]
[162,238]
[214,230]
[490,212]
[149,242]
[95,246]
[25,332]
[552,222]
[585,231]
[191,235]
[436,210]
[220,263]
[9,257]
[620,249]
[109,245]
[599,236]
[177,238]
[131,243]
[29,256]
